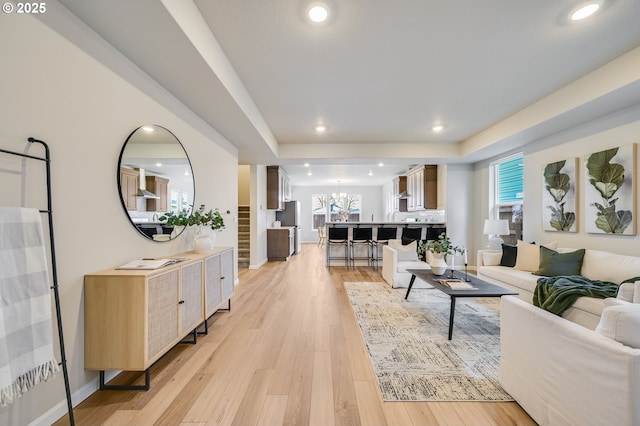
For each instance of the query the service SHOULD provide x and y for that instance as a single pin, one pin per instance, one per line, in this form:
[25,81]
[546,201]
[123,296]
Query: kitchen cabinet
[422,188]
[159,186]
[280,243]
[133,317]
[400,194]
[278,188]
[129,188]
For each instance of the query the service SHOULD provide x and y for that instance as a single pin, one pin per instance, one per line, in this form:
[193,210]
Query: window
[336,207]
[507,194]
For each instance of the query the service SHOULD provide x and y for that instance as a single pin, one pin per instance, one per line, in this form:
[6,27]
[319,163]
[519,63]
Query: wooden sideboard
[133,317]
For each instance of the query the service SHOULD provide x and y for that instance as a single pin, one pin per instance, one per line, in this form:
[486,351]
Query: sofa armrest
[480,258]
[389,262]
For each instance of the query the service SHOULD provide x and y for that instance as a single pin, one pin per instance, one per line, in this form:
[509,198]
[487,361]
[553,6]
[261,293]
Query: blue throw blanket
[557,294]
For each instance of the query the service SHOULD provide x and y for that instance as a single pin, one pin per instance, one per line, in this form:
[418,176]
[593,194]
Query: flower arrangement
[442,245]
[200,217]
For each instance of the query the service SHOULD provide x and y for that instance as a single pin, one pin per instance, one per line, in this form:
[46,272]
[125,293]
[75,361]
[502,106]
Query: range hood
[142,189]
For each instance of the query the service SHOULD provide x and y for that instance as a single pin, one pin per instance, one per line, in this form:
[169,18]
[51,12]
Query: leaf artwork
[607,178]
[558,185]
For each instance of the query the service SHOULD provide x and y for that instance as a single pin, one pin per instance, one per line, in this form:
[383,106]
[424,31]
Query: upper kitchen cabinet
[400,194]
[129,187]
[278,188]
[158,186]
[422,188]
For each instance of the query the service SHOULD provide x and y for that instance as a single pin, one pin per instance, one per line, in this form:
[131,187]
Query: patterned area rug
[408,347]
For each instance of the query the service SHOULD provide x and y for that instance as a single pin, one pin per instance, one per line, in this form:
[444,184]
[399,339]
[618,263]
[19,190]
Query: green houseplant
[439,249]
[202,218]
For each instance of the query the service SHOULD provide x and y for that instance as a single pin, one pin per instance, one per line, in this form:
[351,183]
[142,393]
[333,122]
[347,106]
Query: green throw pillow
[553,264]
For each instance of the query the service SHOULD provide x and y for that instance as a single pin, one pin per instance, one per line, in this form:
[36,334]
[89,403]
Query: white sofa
[564,374]
[597,265]
[396,259]
[579,369]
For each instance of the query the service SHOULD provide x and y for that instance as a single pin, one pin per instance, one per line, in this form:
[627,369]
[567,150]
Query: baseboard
[60,409]
[259,265]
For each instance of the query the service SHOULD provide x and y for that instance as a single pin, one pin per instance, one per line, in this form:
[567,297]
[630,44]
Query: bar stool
[337,237]
[383,235]
[361,237]
[411,234]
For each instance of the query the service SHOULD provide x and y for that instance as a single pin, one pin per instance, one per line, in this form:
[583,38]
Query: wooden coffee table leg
[413,278]
[451,314]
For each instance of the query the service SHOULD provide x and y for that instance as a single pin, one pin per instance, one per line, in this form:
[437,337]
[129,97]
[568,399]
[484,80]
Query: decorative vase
[177,230]
[438,264]
[203,241]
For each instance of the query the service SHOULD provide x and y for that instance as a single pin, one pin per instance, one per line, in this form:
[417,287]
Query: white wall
[372,204]
[244,185]
[260,216]
[56,92]
[621,128]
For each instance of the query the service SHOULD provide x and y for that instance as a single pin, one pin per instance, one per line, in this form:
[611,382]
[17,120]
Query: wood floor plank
[289,352]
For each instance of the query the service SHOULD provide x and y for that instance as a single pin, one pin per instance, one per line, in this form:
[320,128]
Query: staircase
[244,242]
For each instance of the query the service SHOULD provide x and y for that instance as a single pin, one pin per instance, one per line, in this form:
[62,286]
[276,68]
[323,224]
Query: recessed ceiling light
[158,164]
[585,11]
[306,164]
[318,13]
[309,173]
[437,128]
[380,164]
[370,173]
[321,128]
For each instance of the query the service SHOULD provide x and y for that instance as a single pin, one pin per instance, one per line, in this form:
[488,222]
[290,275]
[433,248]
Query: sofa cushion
[402,266]
[529,256]
[519,279]
[553,264]
[636,292]
[607,266]
[509,255]
[621,323]
[405,252]
[626,292]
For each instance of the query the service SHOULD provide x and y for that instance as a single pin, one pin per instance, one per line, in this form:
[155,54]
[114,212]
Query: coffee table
[480,289]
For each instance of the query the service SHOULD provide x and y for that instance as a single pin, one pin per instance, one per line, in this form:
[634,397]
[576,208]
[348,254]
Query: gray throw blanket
[26,333]
[557,294]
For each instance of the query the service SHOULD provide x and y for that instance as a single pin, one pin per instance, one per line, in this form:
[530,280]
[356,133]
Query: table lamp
[494,228]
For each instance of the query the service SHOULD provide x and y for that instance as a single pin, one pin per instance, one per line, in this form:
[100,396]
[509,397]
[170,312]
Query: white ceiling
[379,74]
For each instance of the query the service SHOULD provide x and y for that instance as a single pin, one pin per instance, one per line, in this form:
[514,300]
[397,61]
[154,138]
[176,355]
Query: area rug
[408,347]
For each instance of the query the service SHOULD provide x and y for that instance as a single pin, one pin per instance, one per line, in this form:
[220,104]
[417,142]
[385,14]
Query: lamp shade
[496,227]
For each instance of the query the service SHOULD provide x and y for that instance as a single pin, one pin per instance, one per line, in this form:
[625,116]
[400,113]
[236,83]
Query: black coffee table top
[481,287]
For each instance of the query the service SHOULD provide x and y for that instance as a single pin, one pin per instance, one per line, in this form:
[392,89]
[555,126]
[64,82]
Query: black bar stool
[337,237]
[383,235]
[411,234]
[361,237]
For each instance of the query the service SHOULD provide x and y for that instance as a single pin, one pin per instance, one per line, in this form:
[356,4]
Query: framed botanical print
[610,196]
[559,194]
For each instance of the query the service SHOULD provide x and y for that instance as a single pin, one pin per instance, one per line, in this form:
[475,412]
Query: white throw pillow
[405,253]
[621,323]
[636,292]
[491,258]
[529,256]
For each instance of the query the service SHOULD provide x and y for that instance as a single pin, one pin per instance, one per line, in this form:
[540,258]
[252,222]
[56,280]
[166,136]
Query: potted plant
[201,218]
[438,250]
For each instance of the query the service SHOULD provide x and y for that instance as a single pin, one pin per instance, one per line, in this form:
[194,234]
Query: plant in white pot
[437,251]
[203,241]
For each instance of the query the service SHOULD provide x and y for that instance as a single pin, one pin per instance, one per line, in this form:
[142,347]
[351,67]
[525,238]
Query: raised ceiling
[378,74]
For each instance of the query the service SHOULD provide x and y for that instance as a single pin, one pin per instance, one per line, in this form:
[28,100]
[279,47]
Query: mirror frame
[119,179]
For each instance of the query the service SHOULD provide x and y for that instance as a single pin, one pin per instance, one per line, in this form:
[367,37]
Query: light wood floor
[289,353]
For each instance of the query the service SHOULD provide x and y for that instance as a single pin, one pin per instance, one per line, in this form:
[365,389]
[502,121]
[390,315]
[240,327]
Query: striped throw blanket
[26,336]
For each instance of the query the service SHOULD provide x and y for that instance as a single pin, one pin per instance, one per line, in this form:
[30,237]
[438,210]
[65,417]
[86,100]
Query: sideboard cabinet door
[163,312]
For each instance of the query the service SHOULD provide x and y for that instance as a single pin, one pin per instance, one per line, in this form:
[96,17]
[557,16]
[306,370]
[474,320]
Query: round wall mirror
[154,177]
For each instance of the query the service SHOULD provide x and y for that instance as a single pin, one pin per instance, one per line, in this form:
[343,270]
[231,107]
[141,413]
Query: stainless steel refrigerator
[290,216]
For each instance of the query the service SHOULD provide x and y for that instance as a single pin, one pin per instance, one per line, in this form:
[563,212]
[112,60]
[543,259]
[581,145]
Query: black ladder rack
[49,213]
